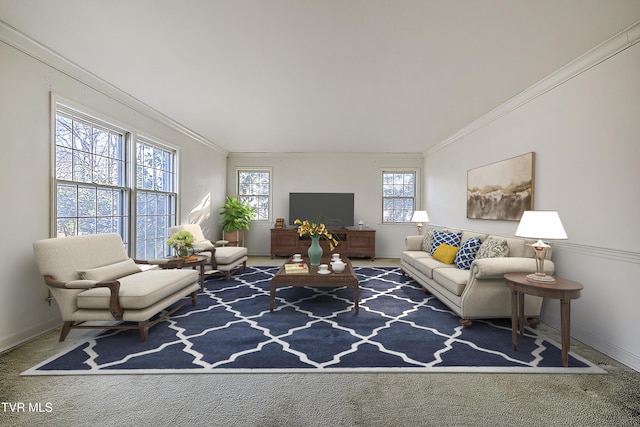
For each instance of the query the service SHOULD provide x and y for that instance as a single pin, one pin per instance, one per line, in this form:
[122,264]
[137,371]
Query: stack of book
[296,268]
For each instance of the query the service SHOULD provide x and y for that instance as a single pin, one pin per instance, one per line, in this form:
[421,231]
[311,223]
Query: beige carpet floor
[314,399]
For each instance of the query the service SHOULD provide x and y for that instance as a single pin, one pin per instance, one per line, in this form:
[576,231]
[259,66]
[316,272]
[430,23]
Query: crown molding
[14,38]
[306,154]
[611,47]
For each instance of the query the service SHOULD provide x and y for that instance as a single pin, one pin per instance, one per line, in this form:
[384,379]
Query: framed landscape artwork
[501,190]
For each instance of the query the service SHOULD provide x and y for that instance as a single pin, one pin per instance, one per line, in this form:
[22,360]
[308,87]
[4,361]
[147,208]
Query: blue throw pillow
[440,237]
[467,253]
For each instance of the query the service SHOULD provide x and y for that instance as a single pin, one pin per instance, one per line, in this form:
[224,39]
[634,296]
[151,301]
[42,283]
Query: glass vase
[315,251]
[182,251]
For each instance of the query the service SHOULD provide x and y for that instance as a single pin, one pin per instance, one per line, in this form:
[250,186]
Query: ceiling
[283,76]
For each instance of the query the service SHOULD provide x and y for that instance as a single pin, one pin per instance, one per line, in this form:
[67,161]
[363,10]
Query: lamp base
[541,278]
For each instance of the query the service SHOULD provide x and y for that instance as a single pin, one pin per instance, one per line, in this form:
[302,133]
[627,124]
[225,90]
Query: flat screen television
[334,209]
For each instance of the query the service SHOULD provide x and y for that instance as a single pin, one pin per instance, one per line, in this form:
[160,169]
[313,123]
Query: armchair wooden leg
[66,327]
[144,330]
[193,298]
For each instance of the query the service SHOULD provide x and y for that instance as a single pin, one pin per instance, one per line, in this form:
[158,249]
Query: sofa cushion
[110,272]
[139,291]
[409,257]
[467,253]
[493,248]
[517,246]
[229,254]
[452,279]
[440,237]
[466,235]
[427,241]
[428,264]
[445,253]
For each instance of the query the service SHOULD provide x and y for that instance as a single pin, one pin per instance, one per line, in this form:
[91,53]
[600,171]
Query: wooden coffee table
[313,278]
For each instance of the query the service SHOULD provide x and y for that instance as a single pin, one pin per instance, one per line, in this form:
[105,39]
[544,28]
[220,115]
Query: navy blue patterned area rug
[399,328]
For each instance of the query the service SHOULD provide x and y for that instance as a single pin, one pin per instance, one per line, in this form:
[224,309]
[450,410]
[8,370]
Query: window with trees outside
[91,186]
[156,199]
[398,196]
[254,187]
[94,189]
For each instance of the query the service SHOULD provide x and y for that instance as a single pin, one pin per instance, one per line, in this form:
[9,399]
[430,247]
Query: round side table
[562,289]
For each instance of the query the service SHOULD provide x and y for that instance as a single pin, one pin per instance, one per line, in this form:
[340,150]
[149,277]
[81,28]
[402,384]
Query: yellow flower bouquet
[314,229]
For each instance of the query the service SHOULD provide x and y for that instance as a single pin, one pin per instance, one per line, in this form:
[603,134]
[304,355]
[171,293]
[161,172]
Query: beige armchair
[92,278]
[223,259]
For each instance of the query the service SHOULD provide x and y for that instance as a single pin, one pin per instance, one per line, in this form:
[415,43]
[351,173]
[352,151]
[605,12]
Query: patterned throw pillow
[440,237]
[467,253]
[493,248]
[427,241]
[445,253]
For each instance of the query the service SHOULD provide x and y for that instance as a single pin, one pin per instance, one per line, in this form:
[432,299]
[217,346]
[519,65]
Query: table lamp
[420,217]
[541,225]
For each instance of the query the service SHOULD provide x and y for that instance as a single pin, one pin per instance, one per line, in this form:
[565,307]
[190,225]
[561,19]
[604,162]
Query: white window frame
[169,218]
[69,110]
[249,169]
[416,191]
[60,105]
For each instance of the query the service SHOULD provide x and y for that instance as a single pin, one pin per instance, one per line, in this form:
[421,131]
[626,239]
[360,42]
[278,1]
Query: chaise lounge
[92,278]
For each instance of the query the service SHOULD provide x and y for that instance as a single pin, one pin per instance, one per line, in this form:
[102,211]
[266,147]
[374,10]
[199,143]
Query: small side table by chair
[562,289]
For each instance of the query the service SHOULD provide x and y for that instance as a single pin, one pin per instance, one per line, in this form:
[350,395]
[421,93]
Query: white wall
[25,147]
[360,174]
[585,134]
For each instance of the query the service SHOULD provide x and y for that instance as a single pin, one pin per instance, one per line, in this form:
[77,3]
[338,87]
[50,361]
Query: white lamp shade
[420,216]
[541,225]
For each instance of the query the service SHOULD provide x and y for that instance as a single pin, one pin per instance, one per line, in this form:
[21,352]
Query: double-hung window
[254,187]
[91,180]
[398,196]
[101,188]
[156,199]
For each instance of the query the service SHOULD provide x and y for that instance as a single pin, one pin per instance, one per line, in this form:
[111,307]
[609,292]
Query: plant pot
[235,238]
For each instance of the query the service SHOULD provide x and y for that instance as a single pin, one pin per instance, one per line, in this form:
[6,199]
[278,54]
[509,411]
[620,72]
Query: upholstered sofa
[467,273]
[92,278]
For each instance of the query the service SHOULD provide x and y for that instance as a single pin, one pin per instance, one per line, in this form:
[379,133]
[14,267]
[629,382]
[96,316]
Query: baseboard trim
[615,352]
[21,337]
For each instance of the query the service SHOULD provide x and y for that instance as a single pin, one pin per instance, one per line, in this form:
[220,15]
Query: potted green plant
[235,219]
[181,242]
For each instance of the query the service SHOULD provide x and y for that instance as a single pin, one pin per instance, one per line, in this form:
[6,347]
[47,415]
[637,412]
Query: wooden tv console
[352,243]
